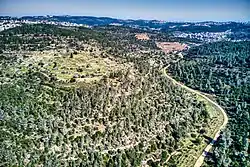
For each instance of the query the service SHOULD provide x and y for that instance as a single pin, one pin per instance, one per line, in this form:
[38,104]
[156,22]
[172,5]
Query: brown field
[143,36]
[168,47]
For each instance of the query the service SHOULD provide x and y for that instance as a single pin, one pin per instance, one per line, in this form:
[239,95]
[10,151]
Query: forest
[223,69]
[129,117]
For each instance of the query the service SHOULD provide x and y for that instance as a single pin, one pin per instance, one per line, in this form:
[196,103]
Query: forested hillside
[223,69]
[82,97]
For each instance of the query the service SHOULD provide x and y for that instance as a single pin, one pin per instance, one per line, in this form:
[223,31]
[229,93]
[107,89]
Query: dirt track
[200,160]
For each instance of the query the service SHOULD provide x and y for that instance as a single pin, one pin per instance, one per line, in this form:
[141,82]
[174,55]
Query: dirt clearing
[142,36]
[168,47]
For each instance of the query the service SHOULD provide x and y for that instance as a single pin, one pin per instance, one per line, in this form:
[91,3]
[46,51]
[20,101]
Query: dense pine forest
[75,96]
[223,69]
[50,116]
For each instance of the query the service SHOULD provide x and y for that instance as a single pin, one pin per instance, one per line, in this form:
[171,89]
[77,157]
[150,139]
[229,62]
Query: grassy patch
[76,69]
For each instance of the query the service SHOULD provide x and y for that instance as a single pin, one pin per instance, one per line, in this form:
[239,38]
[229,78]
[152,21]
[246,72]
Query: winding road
[200,160]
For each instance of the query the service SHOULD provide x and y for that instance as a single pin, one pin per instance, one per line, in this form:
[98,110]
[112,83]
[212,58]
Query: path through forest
[200,160]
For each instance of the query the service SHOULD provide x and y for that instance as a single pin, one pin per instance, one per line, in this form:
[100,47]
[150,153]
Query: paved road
[200,160]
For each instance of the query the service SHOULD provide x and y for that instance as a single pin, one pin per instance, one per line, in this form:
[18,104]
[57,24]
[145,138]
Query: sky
[168,10]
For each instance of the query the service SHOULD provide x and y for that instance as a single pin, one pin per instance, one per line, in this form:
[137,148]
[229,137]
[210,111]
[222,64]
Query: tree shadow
[207,139]
[207,154]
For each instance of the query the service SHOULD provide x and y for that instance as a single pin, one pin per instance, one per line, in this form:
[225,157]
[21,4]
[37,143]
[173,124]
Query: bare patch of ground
[142,36]
[168,47]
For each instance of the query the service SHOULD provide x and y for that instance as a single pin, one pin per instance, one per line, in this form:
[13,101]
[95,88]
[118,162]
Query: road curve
[200,160]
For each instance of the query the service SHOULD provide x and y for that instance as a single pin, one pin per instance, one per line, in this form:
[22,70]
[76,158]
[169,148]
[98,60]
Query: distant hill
[208,26]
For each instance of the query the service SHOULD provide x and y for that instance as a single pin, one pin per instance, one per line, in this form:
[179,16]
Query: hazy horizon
[178,10]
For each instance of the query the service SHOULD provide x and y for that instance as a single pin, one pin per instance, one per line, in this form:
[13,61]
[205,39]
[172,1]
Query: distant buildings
[204,36]
[11,23]
[178,29]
